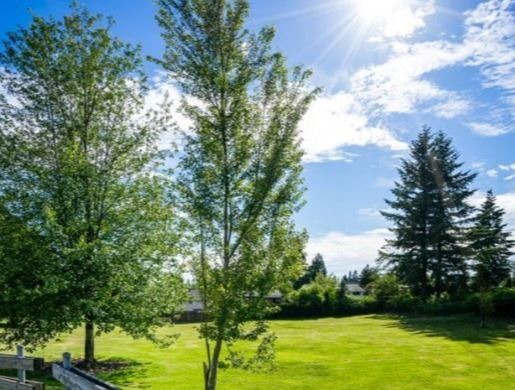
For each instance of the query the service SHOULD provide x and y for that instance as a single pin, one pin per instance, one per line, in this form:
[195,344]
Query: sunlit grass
[364,352]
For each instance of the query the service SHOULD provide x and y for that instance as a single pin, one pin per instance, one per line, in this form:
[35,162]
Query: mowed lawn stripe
[362,352]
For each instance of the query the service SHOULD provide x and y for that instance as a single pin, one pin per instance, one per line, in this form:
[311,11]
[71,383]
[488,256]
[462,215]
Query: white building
[355,289]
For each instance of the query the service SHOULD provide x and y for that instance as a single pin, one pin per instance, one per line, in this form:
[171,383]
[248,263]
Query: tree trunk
[213,369]
[89,344]
[439,272]
[423,276]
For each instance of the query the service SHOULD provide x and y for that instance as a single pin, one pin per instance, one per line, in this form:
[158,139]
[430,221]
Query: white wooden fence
[22,364]
[71,377]
[74,379]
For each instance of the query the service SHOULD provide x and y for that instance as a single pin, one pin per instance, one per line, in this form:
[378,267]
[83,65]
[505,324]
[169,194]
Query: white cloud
[487,129]
[369,212]
[490,31]
[385,182]
[352,117]
[507,202]
[336,121]
[164,92]
[408,19]
[402,19]
[451,108]
[400,85]
[332,123]
[397,86]
[509,169]
[9,99]
[492,173]
[344,252]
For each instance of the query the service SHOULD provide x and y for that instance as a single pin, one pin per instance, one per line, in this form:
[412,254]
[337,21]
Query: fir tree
[491,245]
[316,267]
[409,252]
[430,211]
[449,217]
[367,276]
[342,291]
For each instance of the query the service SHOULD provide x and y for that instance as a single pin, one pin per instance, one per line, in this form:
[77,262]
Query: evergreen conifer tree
[409,251]
[449,217]
[429,213]
[491,245]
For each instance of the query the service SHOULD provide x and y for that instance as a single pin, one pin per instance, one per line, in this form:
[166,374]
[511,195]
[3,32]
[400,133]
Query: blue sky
[387,68]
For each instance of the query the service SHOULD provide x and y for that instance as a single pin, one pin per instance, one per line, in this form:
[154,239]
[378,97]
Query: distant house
[355,289]
[194,302]
[193,309]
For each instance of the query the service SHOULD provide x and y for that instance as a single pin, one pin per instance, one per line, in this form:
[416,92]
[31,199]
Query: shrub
[320,297]
[502,301]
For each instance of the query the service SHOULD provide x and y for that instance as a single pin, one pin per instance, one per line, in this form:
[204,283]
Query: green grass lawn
[363,352]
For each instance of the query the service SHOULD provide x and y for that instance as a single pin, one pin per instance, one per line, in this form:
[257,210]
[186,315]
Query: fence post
[67,364]
[67,360]
[20,354]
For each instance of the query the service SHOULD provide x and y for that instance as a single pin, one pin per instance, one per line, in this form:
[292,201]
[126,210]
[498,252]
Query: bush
[358,305]
[502,301]
[319,297]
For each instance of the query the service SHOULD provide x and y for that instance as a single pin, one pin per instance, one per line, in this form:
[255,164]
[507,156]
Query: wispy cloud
[487,129]
[508,170]
[336,121]
[452,108]
[398,86]
[401,84]
[492,173]
[490,34]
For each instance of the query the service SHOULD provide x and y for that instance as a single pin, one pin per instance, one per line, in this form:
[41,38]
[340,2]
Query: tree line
[443,248]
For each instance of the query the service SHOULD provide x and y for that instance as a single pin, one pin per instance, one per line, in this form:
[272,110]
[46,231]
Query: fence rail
[21,364]
[74,379]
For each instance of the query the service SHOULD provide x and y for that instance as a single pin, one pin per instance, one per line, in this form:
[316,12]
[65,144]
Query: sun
[378,11]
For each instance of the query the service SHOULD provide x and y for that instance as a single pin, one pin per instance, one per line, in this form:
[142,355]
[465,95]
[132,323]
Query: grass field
[363,352]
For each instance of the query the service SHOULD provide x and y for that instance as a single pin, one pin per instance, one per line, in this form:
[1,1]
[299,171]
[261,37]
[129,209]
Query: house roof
[354,288]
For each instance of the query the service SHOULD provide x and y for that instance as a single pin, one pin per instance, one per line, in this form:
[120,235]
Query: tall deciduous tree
[240,171]
[491,245]
[76,178]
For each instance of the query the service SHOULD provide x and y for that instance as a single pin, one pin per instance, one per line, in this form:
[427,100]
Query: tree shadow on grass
[121,371]
[44,376]
[457,328]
